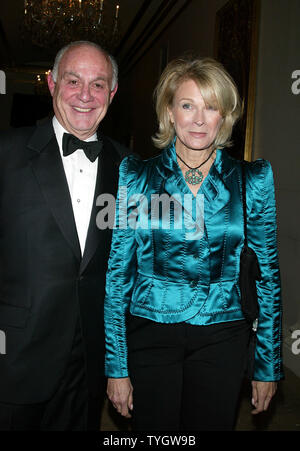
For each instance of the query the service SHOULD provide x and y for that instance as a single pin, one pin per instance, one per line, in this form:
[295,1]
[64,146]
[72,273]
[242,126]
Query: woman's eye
[186,106]
[73,82]
[211,107]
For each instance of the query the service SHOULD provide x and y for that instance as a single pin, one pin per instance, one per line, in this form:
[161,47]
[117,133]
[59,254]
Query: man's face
[82,92]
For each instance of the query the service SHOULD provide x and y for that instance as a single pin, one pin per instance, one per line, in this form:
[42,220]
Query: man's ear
[51,83]
[112,93]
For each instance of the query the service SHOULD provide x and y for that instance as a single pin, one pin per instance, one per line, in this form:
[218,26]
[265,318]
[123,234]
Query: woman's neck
[193,158]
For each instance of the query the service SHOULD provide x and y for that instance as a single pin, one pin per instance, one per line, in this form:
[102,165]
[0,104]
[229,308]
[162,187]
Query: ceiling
[141,24]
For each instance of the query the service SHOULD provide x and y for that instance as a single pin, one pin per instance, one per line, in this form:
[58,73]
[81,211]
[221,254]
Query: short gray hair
[62,51]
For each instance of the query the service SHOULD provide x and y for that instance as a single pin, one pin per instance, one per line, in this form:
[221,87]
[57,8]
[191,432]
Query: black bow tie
[91,148]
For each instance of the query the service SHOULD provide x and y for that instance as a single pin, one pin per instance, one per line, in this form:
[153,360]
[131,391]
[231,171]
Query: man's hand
[262,393]
[119,391]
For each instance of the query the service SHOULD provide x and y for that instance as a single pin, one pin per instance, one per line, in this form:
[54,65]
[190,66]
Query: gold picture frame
[236,47]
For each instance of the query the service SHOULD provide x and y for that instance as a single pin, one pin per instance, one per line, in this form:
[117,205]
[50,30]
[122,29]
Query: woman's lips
[198,134]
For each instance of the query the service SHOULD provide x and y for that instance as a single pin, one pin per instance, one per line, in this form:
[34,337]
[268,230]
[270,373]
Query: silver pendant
[193,176]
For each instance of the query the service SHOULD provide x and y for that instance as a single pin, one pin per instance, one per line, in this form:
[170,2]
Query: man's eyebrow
[101,78]
[71,73]
[74,74]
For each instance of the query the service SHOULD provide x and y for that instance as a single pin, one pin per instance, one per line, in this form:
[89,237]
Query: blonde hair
[217,88]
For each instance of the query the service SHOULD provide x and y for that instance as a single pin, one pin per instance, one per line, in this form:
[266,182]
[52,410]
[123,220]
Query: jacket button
[193,283]
[196,256]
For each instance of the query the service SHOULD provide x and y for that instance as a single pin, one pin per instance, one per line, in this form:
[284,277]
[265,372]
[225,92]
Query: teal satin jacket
[175,257]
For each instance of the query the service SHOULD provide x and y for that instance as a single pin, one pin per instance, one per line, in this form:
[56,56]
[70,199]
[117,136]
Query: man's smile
[82,110]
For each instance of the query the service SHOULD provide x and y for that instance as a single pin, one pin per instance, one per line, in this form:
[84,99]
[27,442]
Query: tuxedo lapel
[107,183]
[48,168]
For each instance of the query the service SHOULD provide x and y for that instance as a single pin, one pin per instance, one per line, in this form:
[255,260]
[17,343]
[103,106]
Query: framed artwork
[236,47]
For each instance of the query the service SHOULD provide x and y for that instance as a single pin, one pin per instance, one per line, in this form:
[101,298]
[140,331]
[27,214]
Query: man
[53,257]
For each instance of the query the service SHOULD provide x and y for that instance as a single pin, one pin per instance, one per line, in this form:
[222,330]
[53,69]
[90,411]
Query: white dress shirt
[81,176]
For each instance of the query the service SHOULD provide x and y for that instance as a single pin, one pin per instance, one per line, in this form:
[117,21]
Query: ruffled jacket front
[178,260]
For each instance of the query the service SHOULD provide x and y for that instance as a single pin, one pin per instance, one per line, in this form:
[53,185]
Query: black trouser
[184,377]
[70,409]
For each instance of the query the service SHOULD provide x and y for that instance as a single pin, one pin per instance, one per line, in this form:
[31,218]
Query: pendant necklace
[193,176]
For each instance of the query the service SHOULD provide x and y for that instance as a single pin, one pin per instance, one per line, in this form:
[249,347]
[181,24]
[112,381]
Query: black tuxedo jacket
[45,283]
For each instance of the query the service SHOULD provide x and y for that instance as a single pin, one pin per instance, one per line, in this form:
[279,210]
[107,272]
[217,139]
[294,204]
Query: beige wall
[277,138]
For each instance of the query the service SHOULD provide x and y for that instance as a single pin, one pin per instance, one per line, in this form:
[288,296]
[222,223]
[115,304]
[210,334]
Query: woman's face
[196,123]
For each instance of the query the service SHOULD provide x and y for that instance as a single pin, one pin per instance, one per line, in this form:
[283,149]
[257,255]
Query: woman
[177,361]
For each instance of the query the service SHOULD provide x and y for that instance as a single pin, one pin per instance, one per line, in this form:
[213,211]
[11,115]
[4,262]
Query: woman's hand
[262,393]
[119,391]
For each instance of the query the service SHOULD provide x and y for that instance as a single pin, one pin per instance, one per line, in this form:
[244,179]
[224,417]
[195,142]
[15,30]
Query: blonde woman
[176,337]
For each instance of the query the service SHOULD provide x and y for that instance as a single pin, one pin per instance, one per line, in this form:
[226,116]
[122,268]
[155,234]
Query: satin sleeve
[120,277]
[262,236]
